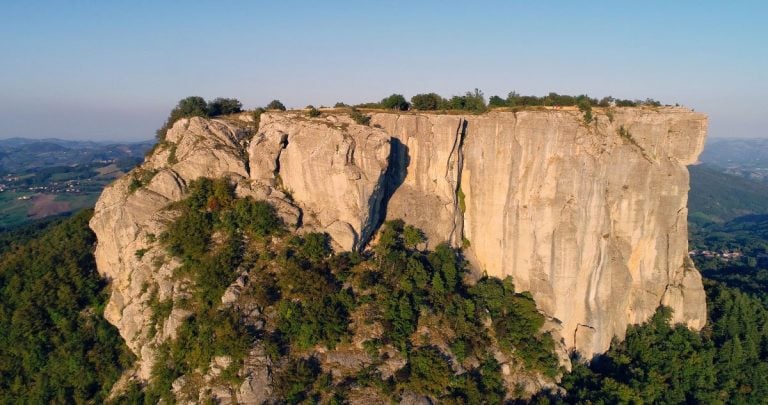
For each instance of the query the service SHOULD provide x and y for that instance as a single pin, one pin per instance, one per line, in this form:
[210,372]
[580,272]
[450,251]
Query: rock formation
[590,218]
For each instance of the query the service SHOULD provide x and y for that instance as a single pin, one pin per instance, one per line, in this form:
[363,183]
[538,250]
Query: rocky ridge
[590,218]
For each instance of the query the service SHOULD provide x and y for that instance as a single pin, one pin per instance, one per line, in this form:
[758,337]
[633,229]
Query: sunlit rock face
[588,217]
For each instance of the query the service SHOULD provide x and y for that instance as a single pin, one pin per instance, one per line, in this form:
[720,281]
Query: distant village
[709,254]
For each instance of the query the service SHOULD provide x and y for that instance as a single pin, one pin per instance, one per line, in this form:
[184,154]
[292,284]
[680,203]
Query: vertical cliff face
[590,218]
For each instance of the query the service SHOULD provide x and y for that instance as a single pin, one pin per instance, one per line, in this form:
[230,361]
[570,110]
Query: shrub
[471,101]
[188,107]
[224,106]
[359,117]
[313,112]
[256,114]
[275,105]
[296,379]
[586,108]
[427,372]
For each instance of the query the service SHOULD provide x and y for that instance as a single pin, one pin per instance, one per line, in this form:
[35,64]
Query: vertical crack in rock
[283,145]
[456,159]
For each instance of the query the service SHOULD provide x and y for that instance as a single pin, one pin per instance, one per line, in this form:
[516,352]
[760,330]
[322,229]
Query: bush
[275,105]
[224,106]
[471,101]
[586,108]
[313,112]
[197,107]
[427,372]
[359,117]
[427,102]
[188,107]
[395,102]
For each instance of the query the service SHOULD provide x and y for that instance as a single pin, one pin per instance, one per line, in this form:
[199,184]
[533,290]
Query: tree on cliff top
[427,102]
[223,106]
[395,102]
[275,105]
[196,106]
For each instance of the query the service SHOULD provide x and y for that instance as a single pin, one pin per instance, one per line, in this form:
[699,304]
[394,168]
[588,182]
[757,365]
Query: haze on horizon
[112,71]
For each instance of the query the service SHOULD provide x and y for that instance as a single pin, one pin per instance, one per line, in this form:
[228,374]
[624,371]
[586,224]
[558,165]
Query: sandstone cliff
[590,218]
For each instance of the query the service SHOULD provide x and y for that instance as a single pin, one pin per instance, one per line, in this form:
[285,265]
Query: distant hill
[725,152]
[746,158]
[20,154]
[716,196]
[44,177]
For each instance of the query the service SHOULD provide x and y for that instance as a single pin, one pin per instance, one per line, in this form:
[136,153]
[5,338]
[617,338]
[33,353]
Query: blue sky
[113,70]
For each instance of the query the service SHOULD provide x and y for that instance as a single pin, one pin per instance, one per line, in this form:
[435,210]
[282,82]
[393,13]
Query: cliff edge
[590,218]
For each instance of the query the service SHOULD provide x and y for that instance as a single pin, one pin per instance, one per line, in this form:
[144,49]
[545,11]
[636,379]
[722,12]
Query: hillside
[41,178]
[716,196]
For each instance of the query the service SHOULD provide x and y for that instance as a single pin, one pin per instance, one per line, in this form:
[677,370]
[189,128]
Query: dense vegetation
[728,361]
[717,197]
[657,363]
[474,101]
[55,345]
[308,296]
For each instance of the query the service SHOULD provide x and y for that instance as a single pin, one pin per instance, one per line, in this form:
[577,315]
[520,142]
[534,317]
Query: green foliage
[585,106]
[470,101]
[275,105]
[224,106]
[55,346]
[408,283]
[427,372]
[295,381]
[313,112]
[210,207]
[256,115]
[717,197]
[658,362]
[395,102]
[188,107]
[427,102]
[140,178]
[412,236]
[359,117]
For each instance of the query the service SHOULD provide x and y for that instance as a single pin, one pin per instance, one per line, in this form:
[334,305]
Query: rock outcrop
[333,168]
[590,218]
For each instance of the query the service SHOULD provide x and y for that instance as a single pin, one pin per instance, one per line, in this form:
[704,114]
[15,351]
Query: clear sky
[114,69]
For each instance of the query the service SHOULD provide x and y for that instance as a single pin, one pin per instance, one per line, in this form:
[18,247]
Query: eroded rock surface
[590,218]
[333,168]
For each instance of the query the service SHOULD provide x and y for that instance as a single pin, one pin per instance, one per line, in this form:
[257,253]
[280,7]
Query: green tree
[427,102]
[395,102]
[224,106]
[275,105]
[188,107]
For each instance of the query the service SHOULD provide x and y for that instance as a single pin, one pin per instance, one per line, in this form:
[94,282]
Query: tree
[426,102]
[496,101]
[275,105]
[191,107]
[395,102]
[470,101]
[188,107]
[224,106]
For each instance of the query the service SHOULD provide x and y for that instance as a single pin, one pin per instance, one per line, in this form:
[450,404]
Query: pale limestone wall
[593,224]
